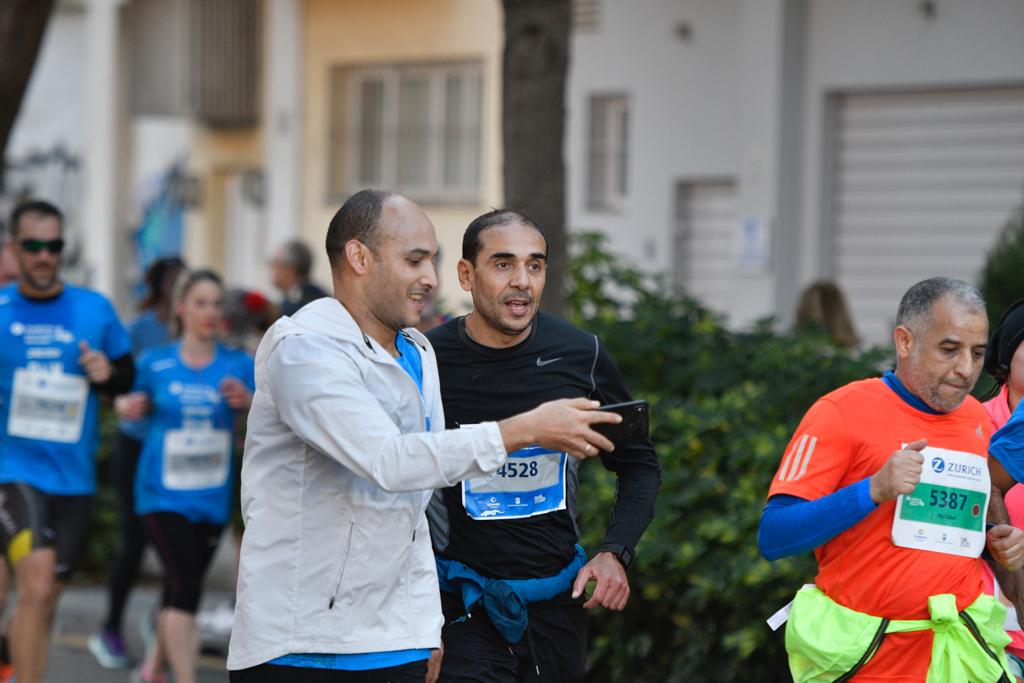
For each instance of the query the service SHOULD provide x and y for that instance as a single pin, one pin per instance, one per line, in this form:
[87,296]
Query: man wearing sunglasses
[60,346]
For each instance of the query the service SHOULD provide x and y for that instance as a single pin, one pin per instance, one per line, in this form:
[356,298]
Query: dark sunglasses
[36,246]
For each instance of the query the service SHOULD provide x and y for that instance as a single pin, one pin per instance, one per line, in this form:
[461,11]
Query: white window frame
[607,160]
[346,142]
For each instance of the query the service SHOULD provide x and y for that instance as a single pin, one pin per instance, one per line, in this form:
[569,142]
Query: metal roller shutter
[704,244]
[922,184]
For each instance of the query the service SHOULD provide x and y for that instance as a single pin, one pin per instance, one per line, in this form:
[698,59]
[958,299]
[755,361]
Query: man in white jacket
[345,443]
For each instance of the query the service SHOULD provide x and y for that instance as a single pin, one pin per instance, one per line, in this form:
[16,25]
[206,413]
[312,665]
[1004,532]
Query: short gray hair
[916,305]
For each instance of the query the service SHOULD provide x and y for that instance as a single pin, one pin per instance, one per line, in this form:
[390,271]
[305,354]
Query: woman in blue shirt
[192,390]
[151,328]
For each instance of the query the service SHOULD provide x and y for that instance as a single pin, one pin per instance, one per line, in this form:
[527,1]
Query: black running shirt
[480,384]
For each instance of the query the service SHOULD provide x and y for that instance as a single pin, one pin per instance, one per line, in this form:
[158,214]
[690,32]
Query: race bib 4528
[532,482]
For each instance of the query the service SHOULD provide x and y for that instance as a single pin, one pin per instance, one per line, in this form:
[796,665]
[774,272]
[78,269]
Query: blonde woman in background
[823,307]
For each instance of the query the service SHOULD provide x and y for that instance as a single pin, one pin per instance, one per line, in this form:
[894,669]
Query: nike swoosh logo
[541,363]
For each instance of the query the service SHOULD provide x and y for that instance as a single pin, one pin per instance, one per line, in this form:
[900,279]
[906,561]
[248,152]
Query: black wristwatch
[624,554]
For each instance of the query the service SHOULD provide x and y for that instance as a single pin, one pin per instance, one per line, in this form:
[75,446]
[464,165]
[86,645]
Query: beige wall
[212,156]
[353,32]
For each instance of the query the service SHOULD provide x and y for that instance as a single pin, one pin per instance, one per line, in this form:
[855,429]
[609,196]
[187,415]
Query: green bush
[1001,283]
[1002,278]
[723,406]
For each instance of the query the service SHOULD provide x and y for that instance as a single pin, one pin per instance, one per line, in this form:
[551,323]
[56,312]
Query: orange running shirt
[845,437]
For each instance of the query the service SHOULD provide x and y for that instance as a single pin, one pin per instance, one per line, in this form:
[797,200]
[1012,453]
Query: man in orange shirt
[887,480]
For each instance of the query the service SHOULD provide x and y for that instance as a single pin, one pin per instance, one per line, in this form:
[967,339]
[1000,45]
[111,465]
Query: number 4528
[521,470]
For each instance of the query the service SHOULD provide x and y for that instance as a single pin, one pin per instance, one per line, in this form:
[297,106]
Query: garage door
[704,242]
[922,185]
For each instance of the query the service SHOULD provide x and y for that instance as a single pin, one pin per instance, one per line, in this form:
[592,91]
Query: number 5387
[948,499]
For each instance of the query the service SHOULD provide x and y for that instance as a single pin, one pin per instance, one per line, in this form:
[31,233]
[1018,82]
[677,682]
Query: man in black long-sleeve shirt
[503,358]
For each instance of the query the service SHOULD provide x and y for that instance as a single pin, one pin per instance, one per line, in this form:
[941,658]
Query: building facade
[757,145]
[745,147]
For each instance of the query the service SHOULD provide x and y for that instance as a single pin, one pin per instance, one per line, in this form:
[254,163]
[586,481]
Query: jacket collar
[328,317]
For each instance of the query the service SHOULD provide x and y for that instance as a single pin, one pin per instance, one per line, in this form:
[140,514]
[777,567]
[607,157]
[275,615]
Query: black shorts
[554,649]
[185,549]
[31,519]
[413,672]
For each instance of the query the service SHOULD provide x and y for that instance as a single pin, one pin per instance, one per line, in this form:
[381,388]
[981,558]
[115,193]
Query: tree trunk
[533,108]
[22,24]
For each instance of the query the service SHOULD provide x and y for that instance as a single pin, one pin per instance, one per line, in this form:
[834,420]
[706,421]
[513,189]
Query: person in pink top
[1004,360]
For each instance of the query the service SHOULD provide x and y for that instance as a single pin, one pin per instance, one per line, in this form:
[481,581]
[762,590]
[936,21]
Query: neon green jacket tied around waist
[829,642]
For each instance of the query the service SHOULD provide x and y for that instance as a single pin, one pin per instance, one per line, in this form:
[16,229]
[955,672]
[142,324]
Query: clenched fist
[900,473]
[133,406]
[1006,546]
[95,363]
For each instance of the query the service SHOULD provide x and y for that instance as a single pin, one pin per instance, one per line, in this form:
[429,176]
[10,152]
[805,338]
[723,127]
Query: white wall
[878,45]
[744,97]
[52,112]
[709,105]
[683,110]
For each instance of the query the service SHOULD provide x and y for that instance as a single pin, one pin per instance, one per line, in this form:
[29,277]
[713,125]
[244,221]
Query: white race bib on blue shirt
[196,458]
[49,406]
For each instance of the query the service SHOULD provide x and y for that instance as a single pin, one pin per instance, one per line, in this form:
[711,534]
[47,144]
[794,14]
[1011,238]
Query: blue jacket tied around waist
[505,599]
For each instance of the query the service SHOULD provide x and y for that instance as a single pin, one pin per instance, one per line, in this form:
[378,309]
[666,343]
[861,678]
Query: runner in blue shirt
[192,390]
[60,346]
[151,328]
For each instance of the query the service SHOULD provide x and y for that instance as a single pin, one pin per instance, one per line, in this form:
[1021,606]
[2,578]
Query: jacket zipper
[341,569]
[876,642]
[973,628]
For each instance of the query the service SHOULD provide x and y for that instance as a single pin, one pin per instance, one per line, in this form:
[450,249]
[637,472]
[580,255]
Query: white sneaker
[108,649]
[217,621]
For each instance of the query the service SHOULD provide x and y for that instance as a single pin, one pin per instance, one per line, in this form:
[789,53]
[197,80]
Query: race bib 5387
[945,513]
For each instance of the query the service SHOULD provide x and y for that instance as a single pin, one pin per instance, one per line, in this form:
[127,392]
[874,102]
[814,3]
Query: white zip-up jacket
[336,476]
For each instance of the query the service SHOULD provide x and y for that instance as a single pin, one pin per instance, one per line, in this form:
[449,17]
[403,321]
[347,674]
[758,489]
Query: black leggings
[272,673]
[125,570]
[554,649]
[185,549]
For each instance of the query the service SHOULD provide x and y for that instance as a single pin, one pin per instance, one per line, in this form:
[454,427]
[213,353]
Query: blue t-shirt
[408,359]
[185,465]
[48,409]
[146,331]
[1007,444]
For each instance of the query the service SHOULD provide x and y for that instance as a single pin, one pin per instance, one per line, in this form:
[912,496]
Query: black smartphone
[635,423]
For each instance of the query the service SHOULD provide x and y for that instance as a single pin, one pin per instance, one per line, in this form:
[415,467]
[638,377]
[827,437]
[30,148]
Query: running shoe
[108,649]
[217,621]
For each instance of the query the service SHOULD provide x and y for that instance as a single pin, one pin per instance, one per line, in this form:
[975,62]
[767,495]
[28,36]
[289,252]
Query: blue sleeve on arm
[1007,446]
[791,525]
